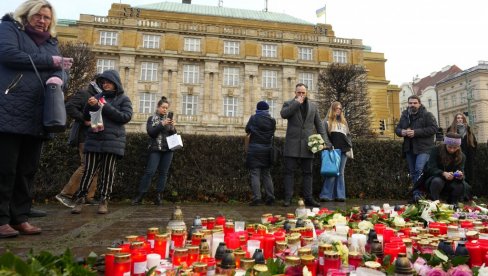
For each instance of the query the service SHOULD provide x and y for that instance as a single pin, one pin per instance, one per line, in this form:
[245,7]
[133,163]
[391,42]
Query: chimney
[186,1]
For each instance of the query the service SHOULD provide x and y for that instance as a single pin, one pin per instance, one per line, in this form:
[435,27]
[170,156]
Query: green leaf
[441,255]
[386,260]
[459,260]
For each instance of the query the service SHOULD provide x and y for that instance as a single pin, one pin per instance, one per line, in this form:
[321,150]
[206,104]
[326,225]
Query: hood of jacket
[112,76]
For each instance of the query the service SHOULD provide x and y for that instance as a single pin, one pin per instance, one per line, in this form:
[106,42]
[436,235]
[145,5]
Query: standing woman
[104,141]
[29,31]
[261,127]
[468,143]
[158,127]
[334,187]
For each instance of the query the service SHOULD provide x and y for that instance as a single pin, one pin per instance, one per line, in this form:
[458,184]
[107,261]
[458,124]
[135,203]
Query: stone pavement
[90,231]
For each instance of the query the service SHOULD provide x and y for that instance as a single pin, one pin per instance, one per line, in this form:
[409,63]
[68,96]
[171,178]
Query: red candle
[332,261]
[308,232]
[391,249]
[475,257]
[204,223]
[151,235]
[220,220]
[122,264]
[268,246]
[261,230]
[232,241]
[229,228]
[160,244]
[210,223]
[309,262]
[180,256]
[379,227]
[250,229]
[196,238]
[193,253]
[355,259]
[258,237]
[387,235]
[109,260]
[177,239]
[280,235]
[466,224]
[139,258]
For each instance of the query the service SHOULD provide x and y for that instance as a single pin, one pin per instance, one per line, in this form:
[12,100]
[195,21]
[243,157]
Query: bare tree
[347,84]
[84,66]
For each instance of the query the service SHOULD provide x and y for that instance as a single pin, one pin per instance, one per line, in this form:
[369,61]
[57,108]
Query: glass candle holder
[199,269]
[139,258]
[268,246]
[180,256]
[332,261]
[177,239]
[151,235]
[204,223]
[292,266]
[210,223]
[122,264]
[161,245]
[239,254]
[109,260]
[193,254]
[196,238]
[310,263]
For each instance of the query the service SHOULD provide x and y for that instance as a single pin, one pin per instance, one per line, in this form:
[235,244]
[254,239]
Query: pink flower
[437,271]
[460,270]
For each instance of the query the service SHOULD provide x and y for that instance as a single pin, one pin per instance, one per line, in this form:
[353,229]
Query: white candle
[153,260]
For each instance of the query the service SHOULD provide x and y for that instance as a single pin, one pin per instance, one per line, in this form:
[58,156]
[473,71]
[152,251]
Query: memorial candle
[109,260]
[151,235]
[122,265]
[139,258]
[161,245]
[268,246]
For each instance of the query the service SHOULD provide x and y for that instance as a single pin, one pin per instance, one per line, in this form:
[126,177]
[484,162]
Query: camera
[170,115]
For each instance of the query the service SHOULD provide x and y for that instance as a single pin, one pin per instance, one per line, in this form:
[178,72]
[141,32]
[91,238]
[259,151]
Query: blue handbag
[331,162]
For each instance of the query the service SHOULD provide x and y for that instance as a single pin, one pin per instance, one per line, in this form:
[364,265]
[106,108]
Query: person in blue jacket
[105,139]
[27,39]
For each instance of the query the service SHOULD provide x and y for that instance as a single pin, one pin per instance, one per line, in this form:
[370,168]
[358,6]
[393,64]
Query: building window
[231,76]
[272,107]
[429,102]
[190,105]
[340,56]
[269,50]
[231,47]
[149,71]
[105,64]
[192,44]
[305,53]
[448,122]
[270,79]
[190,73]
[108,38]
[307,79]
[147,102]
[454,100]
[230,106]
[150,41]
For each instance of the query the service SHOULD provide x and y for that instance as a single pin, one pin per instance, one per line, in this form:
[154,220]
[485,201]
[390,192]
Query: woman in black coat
[27,36]
[105,141]
[261,128]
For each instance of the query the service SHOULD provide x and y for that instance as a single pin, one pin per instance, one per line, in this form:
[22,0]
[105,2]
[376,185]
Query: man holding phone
[303,119]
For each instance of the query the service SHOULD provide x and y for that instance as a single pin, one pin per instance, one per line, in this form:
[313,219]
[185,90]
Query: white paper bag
[174,142]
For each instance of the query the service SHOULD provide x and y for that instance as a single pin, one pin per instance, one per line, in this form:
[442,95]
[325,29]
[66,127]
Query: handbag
[331,162]
[54,111]
[174,142]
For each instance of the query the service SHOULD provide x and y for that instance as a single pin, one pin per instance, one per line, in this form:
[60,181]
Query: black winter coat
[425,127]
[21,109]
[115,113]
[74,108]
[262,128]
[158,134]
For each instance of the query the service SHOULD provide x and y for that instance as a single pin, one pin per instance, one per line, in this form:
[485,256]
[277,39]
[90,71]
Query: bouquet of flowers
[315,143]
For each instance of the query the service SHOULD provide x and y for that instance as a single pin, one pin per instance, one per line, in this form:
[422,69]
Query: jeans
[289,176]
[416,163]
[256,175]
[335,186]
[157,160]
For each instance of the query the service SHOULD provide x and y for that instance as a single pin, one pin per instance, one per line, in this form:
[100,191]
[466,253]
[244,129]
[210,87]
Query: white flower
[310,144]
[365,225]
[399,221]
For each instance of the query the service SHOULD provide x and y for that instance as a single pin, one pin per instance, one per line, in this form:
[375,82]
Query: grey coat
[299,129]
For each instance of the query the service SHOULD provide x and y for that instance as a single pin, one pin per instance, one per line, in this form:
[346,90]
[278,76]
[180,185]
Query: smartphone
[170,115]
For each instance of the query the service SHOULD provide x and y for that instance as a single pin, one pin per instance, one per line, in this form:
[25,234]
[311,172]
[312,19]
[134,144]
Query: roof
[480,66]
[224,12]
[431,80]
[66,22]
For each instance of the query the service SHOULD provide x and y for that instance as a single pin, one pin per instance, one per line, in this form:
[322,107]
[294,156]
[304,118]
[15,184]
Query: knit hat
[262,105]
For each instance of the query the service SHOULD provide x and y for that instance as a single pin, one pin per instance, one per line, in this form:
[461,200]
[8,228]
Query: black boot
[138,199]
[159,199]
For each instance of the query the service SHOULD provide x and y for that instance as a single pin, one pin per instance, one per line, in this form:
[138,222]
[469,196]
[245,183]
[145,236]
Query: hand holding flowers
[316,143]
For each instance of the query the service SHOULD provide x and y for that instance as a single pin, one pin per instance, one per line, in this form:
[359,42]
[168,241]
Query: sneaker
[92,201]
[102,207]
[65,200]
[78,206]
[256,202]
[325,199]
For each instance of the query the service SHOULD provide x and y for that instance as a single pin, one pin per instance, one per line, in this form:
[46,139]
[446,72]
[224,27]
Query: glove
[55,80]
[62,62]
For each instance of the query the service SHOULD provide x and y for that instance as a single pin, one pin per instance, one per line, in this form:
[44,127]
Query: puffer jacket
[21,109]
[158,133]
[115,113]
[74,108]
[425,127]
[262,128]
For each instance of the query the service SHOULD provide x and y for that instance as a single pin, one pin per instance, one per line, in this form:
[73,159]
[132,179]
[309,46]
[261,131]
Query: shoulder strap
[35,70]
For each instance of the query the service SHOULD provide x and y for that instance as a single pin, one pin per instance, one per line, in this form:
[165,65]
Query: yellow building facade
[214,64]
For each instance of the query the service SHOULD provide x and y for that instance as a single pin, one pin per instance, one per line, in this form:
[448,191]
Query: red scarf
[38,37]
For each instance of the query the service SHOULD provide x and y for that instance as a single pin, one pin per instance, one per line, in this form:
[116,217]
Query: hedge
[212,169]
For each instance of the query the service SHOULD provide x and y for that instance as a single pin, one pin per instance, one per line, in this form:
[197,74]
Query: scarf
[461,130]
[157,119]
[38,37]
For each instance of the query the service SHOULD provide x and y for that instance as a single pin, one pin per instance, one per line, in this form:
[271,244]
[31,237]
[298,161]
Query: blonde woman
[468,143]
[334,187]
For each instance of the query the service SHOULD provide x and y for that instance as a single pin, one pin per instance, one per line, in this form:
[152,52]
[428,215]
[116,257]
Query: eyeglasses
[38,16]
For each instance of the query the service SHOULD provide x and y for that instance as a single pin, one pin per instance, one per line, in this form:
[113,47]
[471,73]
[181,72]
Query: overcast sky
[417,37]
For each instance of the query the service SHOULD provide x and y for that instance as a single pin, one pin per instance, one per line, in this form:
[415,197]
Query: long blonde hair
[30,7]
[332,118]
